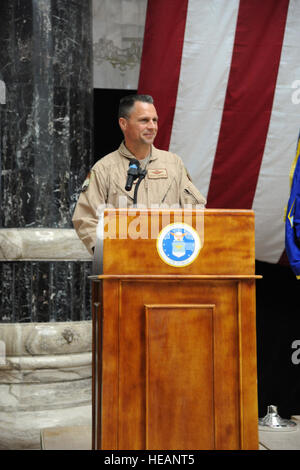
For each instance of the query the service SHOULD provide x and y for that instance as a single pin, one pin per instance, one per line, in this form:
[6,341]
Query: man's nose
[152,124]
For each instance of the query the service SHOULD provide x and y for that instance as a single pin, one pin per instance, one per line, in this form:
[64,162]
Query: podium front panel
[177,354]
[205,343]
[179,338]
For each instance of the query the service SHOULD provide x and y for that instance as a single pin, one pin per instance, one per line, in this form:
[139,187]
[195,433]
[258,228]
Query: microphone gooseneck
[142,174]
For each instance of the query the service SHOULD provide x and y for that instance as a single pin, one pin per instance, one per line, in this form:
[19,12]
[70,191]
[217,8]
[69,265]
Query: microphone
[132,173]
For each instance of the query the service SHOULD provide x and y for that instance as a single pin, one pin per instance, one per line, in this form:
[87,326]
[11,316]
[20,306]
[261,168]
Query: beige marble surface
[281,439]
[17,244]
[45,379]
[22,430]
[67,438]
[54,369]
[37,339]
[45,396]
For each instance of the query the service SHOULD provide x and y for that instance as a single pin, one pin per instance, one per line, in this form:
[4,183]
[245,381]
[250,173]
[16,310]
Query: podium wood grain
[174,361]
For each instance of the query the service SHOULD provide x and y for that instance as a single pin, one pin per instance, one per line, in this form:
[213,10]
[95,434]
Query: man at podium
[136,174]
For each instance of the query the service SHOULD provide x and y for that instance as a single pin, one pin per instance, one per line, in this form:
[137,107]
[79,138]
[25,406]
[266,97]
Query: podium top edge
[168,277]
[179,210]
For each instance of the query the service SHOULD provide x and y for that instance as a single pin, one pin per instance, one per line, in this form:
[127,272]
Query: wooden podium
[174,348]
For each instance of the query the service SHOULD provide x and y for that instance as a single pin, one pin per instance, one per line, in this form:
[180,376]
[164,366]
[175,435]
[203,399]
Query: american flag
[225,77]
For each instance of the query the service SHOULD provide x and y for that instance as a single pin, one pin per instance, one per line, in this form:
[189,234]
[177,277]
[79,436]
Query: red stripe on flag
[248,103]
[161,60]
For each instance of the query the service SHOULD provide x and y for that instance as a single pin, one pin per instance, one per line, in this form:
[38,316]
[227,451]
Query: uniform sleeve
[91,201]
[189,194]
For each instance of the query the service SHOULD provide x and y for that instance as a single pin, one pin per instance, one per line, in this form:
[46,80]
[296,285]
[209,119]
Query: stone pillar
[45,153]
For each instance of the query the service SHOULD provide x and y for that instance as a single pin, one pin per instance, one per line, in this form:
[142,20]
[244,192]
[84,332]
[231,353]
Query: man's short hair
[127,103]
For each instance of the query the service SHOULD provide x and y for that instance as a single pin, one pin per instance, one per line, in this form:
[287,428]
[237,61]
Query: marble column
[46,139]
[45,153]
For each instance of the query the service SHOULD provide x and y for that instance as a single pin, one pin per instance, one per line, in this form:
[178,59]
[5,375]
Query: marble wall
[44,275]
[46,143]
[38,291]
[46,150]
[46,123]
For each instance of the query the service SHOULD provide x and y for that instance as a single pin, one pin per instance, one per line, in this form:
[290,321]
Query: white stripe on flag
[205,65]
[272,191]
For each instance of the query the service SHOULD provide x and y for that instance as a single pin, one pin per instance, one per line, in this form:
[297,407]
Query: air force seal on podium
[178,244]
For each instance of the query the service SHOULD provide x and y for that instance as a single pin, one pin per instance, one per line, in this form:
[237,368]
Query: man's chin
[149,140]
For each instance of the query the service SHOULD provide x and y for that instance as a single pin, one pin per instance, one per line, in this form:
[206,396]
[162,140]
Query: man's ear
[123,123]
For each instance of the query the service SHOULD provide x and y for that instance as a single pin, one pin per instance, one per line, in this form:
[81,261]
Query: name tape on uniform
[157,173]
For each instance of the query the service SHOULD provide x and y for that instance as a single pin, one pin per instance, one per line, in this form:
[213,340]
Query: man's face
[141,125]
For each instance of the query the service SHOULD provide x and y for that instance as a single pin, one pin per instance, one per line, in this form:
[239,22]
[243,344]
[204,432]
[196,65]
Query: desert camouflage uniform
[167,183]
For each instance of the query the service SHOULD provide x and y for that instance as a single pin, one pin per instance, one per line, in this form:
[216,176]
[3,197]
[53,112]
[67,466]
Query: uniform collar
[123,150]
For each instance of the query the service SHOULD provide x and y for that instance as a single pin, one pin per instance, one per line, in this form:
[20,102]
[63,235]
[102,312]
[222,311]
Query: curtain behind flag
[221,73]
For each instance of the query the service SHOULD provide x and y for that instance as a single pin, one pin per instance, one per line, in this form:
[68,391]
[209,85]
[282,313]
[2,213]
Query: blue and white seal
[178,244]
